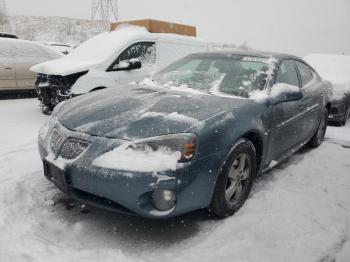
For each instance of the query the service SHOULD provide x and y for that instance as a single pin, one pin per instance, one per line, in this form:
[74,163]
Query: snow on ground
[299,211]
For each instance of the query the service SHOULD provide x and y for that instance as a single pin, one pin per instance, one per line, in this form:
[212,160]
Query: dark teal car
[194,136]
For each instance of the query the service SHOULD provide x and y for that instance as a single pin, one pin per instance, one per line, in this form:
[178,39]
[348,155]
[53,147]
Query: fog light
[163,199]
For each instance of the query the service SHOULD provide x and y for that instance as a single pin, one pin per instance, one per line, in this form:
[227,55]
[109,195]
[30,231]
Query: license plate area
[57,176]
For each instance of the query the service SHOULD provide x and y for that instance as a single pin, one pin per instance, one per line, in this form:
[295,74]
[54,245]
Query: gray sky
[294,26]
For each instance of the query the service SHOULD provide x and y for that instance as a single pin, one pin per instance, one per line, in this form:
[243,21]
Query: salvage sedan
[194,136]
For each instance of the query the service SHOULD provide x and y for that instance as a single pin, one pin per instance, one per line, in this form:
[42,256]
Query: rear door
[313,100]
[287,118]
[26,56]
[7,66]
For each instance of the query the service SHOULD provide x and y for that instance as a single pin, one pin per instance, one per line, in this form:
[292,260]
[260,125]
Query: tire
[45,109]
[235,180]
[318,137]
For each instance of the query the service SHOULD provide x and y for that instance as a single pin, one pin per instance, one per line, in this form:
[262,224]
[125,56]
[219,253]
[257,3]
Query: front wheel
[235,181]
[318,137]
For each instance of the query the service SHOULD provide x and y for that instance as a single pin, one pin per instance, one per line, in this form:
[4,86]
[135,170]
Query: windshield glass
[231,75]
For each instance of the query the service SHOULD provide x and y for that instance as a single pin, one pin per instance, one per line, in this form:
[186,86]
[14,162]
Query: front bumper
[130,192]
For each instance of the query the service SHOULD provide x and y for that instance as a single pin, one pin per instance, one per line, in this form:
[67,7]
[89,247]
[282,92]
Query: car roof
[139,33]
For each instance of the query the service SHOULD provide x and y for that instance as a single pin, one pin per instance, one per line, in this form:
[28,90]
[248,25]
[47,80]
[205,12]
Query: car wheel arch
[257,140]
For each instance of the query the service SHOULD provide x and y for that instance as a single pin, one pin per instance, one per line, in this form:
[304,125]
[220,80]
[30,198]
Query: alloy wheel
[237,179]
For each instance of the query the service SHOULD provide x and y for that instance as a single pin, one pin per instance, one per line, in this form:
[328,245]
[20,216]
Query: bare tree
[3,12]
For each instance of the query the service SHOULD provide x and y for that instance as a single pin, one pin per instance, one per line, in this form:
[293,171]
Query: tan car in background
[16,57]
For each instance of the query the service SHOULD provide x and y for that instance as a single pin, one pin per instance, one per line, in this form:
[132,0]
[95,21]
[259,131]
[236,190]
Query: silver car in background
[16,57]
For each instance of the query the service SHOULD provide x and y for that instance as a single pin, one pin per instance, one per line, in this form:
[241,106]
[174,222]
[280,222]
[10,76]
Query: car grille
[72,148]
[56,141]
[334,111]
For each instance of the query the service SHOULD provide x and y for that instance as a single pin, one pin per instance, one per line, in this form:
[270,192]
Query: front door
[314,96]
[287,118]
[145,52]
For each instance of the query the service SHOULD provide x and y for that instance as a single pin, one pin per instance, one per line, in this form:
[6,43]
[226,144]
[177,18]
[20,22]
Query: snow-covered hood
[135,112]
[64,66]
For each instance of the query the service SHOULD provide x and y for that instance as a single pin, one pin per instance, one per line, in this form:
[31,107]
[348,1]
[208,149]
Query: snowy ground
[299,211]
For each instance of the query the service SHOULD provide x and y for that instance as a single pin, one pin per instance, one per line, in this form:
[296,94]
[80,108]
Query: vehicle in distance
[336,69]
[16,57]
[8,35]
[194,136]
[108,60]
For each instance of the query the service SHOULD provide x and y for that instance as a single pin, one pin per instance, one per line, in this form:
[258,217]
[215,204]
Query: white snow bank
[128,159]
[334,68]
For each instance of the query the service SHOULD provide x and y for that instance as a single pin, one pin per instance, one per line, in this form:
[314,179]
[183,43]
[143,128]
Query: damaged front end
[53,89]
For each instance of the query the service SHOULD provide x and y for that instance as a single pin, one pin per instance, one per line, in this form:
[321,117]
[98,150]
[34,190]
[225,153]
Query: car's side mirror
[285,93]
[128,65]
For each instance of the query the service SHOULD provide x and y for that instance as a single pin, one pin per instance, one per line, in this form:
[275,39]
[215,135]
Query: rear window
[306,73]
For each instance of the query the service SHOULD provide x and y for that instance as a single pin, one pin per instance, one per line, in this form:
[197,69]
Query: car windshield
[227,75]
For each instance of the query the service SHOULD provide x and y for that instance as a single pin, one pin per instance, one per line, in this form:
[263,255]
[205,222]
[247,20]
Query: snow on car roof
[102,46]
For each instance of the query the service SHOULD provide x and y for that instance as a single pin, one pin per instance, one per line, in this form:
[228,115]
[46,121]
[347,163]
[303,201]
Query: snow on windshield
[102,46]
[231,76]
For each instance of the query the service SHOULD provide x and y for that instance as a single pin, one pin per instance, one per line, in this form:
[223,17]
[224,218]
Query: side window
[287,73]
[306,73]
[145,52]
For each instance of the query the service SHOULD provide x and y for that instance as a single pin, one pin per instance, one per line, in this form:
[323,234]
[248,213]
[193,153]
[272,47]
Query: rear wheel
[346,117]
[318,137]
[235,181]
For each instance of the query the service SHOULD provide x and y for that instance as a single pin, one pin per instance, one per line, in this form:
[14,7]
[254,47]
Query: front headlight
[44,130]
[185,143]
[156,154]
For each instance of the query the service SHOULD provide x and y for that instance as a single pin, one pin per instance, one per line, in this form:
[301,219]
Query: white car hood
[64,66]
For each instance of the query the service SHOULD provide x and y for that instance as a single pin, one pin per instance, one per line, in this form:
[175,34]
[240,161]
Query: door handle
[302,106]
[8,68]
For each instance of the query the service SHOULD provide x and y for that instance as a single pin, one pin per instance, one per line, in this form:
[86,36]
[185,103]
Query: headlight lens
[185,143]
[44,130]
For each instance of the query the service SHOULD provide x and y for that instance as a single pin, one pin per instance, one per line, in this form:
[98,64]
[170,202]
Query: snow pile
[104,45]
[174,116]
[170,85]
[334,68]
[127,158]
